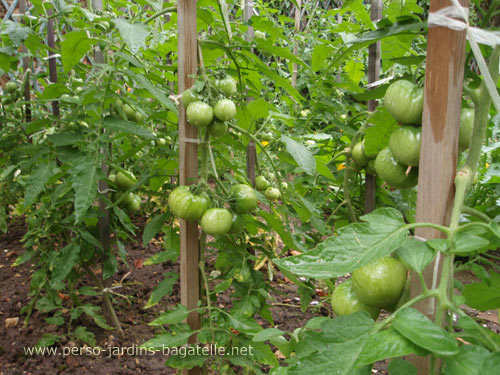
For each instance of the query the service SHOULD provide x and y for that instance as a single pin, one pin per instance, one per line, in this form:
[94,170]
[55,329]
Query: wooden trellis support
[373,76]
[439,150]
[52,59]
[188,163]
[26,65]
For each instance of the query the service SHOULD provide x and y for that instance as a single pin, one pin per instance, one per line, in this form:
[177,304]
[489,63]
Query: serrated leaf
[301,154]
[164,288]
[467,243]
[37,180]
[134,35]
[420,330]
[84,182]
[187,361]
[67,259]
[171,317]
[56,320]
[277,225]
[483,296]
[416,254]
[386,344]
[93,312]
[54,90]
[377,136]
[319,55]
[167,340]
[48,339]
[152,228]
[152,89]
[267,334]
[356,245]
[401,367]
[123,126]
[84,335]
[348,327]
[74,46]
[244,325]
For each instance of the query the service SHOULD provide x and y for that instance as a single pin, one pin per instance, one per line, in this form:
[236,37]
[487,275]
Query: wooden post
[188,163]
[52,61]
[251,148]
[296,46]
[26,65]
[373,76]
[439,150]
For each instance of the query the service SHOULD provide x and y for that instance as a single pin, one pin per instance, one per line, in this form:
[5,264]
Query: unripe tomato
[394,173]
[257,34]
[10,87]
[199,114]
[272,193]
[246,199]
[261,183]
[405,102]
[131,202]
[129,112]
[216,221]
[238,223]
[189,96]
[405,145]
[268,137]
[381,283]
[466,128]
[358,154]
[139,117]
[217,128]
[125,181]
[227,85]
[225,109]
[284,185]
[185,205]
[344,301]
[370,167]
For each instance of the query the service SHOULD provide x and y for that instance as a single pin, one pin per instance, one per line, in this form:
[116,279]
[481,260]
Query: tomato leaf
[267,334]
[416,254]
[301,154]
[357,245]
[401,367]
[483,296]
[179,361]
[74,46]
[172,317]
[124,126]
[420,330]
[134,35]
[84,182]
[387,344]
[67,259]
[36,182]
[164,288]
[377,136]
[468,361]
[152,228]
[167,340]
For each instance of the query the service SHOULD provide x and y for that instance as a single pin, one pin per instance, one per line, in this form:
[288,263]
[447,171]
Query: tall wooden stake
[296,46]
[251,148]
[188,163]
[439,150]
[26,65]
[52,60]
[373,76]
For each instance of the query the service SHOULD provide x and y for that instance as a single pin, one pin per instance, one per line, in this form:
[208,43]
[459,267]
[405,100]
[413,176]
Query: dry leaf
[11,322]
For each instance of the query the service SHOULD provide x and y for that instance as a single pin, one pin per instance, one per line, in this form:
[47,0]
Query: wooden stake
[188,164]
[296,46]
[373,76]
[52,60]
[439,150]
[26,65]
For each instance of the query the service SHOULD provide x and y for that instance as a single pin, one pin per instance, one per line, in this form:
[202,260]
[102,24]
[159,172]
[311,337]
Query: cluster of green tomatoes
[397,164]
[12,92]
[124,181]
[376,286]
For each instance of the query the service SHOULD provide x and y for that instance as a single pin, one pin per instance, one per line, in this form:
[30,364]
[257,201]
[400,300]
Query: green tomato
[245,197]
[268,137]
[216,221]
[162,141]
[139,117]
[65,97]
[131,202]
[217,128]
[10,87]
[466,128]
[405,145]
[381,283]
[227,86]
[186,205]
[225,109]
[257,34]
[394,173]
[238,223]
[261,183]
[272,193]
[370,167]
[405,102]
[125,180]
[199,114]
[189,96]
[284,185]
[358,154]
[344,301]
[129,112]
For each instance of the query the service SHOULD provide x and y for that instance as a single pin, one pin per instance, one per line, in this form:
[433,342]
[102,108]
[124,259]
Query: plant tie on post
[446,17]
